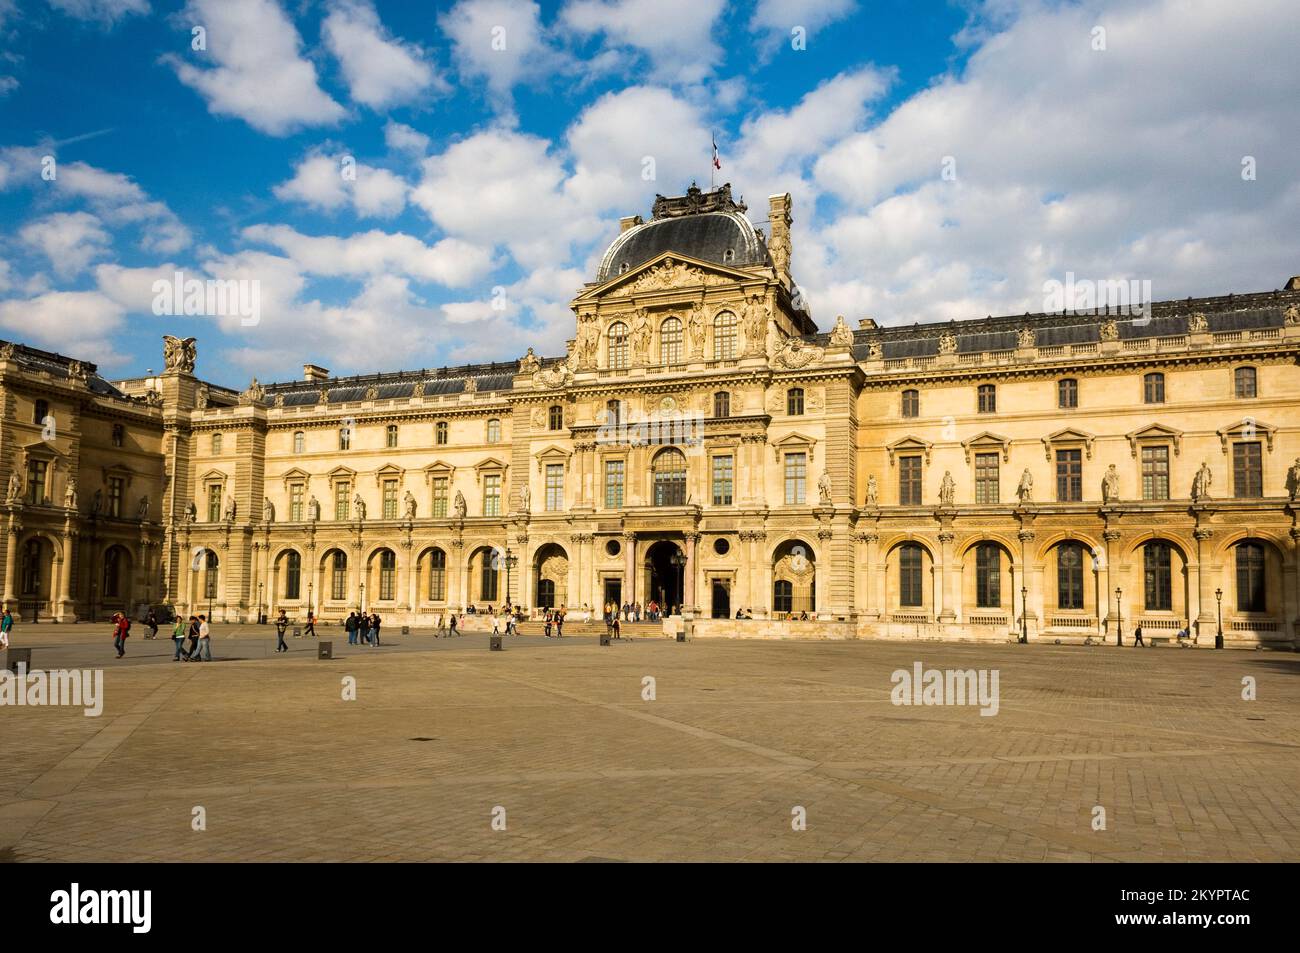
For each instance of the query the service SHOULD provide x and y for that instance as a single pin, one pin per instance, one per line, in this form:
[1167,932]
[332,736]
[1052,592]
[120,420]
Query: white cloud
[678,36]
[7,85]
[319,182]
[401,138]
[77,323]
[450,262]
[104,11]
[70,240]
[500,41]
[259,76]
[381,71]
[778,17]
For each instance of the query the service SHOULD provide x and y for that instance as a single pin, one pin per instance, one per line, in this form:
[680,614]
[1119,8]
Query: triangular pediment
[988,440]
[1067,437]
[1248,428]
[1155,432]
[666,272]
[296,475]
[796,442]
[909,444]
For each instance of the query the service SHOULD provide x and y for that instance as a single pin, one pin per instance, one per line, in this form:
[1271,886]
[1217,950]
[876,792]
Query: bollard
[604,638]
[16,657]
[496,643]
[324,650]
[681,634]
[406,630]
[297,632]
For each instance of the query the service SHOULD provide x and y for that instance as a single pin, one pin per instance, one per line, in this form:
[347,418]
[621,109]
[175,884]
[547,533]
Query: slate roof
[37,360]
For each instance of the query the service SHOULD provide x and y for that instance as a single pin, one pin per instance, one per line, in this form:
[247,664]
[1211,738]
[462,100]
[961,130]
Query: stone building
[702,445]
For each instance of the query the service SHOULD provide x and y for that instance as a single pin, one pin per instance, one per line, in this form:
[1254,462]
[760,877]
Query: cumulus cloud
[501,42]
[70,240]
[777,18]
[381,71]
[260,75]
[107,12]
[329,183]
[402,138]
[78,323]
[678,37]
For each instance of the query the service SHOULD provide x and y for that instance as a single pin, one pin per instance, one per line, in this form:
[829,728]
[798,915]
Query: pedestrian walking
[281,623]
[547,620]
[6,626]
[178,638]
[1137,637]
[205,639]
[350,626]
[363,628]
[311,624]
[151,620]
[618,627]
[451,626]
[374,630]
[192,655]
[121,628]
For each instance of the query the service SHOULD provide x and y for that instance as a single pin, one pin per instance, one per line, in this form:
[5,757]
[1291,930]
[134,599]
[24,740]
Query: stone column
[11,562]
[947,612]
[525,570]
[1029,581]
[1110,580]
[821,572]
[456,595]
[1295,614]
[65,611]
[413,584]
[1206,618]
[763,573]
[404,574]
[688,597]
[865,582]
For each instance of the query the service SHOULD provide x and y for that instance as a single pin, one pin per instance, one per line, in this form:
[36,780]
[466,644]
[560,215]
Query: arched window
[1244,378]
[40,412]
[617,345]
[1153,389]
[1158,577]
[911,403]
[212,563]
[390,436]
[387,574]
[1250,578]
[555,417]
[293,575]
[669,470]
[494,431]
[724,336]
[911,591]
[216,444]
[988,576]
[299,442]
[721,404]
[670,341]
[437,576]
[1067,393]
[794,402]
[440,432]
[1069,576]
[339,576]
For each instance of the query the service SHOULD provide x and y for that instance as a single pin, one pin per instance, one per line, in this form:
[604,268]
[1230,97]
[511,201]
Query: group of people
[554,619]
[200,636]
[362,628]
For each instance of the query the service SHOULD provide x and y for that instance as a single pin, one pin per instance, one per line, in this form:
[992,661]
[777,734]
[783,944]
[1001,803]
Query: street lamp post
[1218,636]
[511,560]
[363,597]
[1024,615]
[310,587]
[678,559]
[259,603]
[1119,617]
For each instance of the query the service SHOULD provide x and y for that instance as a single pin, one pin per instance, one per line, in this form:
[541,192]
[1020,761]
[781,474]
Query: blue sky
[487,180]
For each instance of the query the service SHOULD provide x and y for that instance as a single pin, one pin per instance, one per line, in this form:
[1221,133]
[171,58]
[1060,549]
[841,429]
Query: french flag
[717,163]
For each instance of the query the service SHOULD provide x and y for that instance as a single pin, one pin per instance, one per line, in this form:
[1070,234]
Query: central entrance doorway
[613,592]
[665,578]
[721,599]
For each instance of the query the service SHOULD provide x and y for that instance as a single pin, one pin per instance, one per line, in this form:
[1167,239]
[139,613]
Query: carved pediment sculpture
[179,354]
[1025,338]
[948,343]
[841,336]
[795,353]
[672,274]
[1198,324]
[552,377]
[255,393]
[529,363]
[1109,330]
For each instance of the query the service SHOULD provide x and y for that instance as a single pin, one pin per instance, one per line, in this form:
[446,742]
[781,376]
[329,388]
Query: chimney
[314,372]
[629,221]
[778,218]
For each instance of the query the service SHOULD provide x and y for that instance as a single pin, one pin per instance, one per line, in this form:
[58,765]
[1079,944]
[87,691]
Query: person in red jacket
[121,628]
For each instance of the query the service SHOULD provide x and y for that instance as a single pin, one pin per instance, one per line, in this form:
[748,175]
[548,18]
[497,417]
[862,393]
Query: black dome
[726,238]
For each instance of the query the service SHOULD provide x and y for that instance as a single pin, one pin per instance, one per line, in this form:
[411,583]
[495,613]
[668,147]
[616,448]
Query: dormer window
[622,268]
[729,255]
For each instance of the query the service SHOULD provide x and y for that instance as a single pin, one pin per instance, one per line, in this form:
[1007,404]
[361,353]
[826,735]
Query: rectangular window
[492,494]
[339,578]
[910,592]
[1153,389]
[554,487]
[796,477]
[116,495]
[342,503]
[387,575]
[988,577]
[613,484]
[1250,578]
[36,470]
[390,499]
[909,481]
[1067,394]
[1158,579]
[1247,470]
[1069,476]
[986,478]
[1069,576]
[214,502]
[1155,473]
[988,399]
[295,502]
[440,486]
[722,480]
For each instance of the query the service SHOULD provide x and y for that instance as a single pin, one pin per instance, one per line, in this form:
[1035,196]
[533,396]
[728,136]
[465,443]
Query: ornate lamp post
[511,560]
[1119,617]
[310,587]
[678,559]
[363,597]
[1218,636]
[259,603]
[1024,615]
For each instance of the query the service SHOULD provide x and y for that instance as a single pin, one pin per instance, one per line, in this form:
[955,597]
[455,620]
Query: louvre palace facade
[704,445]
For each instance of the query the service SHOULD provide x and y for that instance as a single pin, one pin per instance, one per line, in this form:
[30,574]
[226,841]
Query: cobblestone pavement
[443,733]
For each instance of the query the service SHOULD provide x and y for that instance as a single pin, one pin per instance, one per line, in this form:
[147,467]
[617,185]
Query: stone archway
[550,577]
